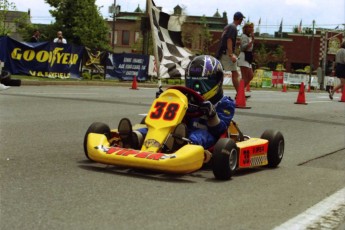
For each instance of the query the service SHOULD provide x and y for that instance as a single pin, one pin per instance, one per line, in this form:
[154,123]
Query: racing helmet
[204,74]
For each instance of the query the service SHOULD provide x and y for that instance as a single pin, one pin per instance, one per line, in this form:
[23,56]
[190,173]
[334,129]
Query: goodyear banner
[42,59]
[125,66]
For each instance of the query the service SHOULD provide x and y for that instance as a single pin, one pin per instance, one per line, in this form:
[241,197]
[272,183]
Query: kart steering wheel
[194,100]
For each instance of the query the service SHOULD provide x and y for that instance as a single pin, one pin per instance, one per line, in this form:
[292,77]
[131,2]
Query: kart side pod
[187,159]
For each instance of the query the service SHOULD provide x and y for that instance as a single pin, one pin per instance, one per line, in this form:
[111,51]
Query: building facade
[201,35]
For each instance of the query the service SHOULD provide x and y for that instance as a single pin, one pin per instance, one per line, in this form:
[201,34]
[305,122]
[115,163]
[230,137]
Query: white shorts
[242,61]
[227,64]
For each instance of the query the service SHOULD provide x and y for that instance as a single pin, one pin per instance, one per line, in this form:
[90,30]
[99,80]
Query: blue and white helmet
[204,74]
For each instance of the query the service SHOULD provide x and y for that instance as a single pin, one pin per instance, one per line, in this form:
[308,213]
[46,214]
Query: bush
[86,76]
[97,77]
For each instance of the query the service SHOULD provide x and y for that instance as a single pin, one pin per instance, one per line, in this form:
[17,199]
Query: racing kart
[232,151]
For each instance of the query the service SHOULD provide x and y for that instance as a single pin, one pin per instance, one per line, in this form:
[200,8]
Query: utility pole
[311,54]
[145,29]
[114,14]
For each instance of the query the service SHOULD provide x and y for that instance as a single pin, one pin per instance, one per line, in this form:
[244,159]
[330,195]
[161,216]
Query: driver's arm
[225,112]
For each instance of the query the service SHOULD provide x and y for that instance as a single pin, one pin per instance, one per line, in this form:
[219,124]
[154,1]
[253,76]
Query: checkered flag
[172,57]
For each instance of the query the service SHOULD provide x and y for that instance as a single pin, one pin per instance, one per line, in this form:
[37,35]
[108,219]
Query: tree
[5,27]
[206,36]
[81,23]
[262,56]
[279,55]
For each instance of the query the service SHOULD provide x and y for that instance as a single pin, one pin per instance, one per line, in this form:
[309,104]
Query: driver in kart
[204,74]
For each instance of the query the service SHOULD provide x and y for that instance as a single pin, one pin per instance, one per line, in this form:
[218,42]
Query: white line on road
[327,214]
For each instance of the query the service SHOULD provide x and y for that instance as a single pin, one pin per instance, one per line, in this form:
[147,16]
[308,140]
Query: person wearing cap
[245,58]
[226,50]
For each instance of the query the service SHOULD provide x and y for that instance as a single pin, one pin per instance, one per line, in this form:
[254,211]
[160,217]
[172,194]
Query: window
[125,37]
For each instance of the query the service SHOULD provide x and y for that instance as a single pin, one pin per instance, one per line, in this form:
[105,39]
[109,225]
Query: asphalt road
[47,183]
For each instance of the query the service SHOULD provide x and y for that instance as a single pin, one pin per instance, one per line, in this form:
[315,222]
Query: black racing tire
[276,146]
[96,127]
[13,82]
[5,77]
[143,121]
[224,159]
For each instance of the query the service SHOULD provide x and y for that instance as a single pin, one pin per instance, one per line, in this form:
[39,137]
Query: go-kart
[170,108]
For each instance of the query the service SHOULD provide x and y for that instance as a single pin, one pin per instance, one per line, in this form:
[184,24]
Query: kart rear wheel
[96,127]
[224,159]
[275,147]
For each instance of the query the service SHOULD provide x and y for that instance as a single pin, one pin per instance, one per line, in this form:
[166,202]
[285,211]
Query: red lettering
[121,151]
[126,152]
[129,152]
[112,150]
[155,156]
[142,155]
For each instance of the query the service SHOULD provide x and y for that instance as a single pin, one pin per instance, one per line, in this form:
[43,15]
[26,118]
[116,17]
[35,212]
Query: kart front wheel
[224,159]
[275,147]
[96,127]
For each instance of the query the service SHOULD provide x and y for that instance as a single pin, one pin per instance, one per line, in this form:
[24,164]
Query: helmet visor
[207,87]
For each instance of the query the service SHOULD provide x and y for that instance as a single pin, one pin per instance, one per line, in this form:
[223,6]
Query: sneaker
[3,87]
[177,139]
[330,94]
[128,137]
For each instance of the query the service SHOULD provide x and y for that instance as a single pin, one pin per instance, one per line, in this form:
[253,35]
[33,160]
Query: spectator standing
[339,70]
[36,36]
[226,50]
[245,58]
[60,38]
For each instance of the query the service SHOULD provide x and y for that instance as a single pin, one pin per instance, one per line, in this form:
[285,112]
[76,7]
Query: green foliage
[262,56]
[206,36]
[86,76]
[265,58]
[5,6]
[279,55]
[137,46]
[308,30]
[81,23]
[97,77]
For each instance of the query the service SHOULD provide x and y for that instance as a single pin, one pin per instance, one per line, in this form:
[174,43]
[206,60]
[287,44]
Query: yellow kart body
[231,152]
[166,112]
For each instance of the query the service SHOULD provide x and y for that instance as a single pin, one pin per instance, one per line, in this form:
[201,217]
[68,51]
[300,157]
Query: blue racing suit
[206,131]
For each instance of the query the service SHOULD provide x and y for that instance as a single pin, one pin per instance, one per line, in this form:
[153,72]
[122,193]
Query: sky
[271,13]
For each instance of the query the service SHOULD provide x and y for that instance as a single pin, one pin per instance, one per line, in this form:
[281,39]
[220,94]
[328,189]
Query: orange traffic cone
[134,83]
[342,99]
[240,97]
[284,88]
[308,88]
[301,95]
[248,88]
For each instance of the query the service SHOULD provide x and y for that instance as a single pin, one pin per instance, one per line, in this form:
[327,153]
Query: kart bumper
[187,159]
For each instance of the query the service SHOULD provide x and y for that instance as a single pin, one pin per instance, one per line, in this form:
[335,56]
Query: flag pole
[155,50]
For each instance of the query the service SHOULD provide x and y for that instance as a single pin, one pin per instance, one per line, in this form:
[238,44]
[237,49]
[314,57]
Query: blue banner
[42,59]
[126,65]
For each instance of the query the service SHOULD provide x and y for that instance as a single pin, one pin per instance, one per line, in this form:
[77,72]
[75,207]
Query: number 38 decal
[165,110]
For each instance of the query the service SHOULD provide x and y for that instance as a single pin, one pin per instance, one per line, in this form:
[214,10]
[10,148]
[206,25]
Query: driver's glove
[208,108]
[159,92]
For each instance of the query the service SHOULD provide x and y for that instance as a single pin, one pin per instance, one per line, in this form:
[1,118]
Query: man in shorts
[227,48]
